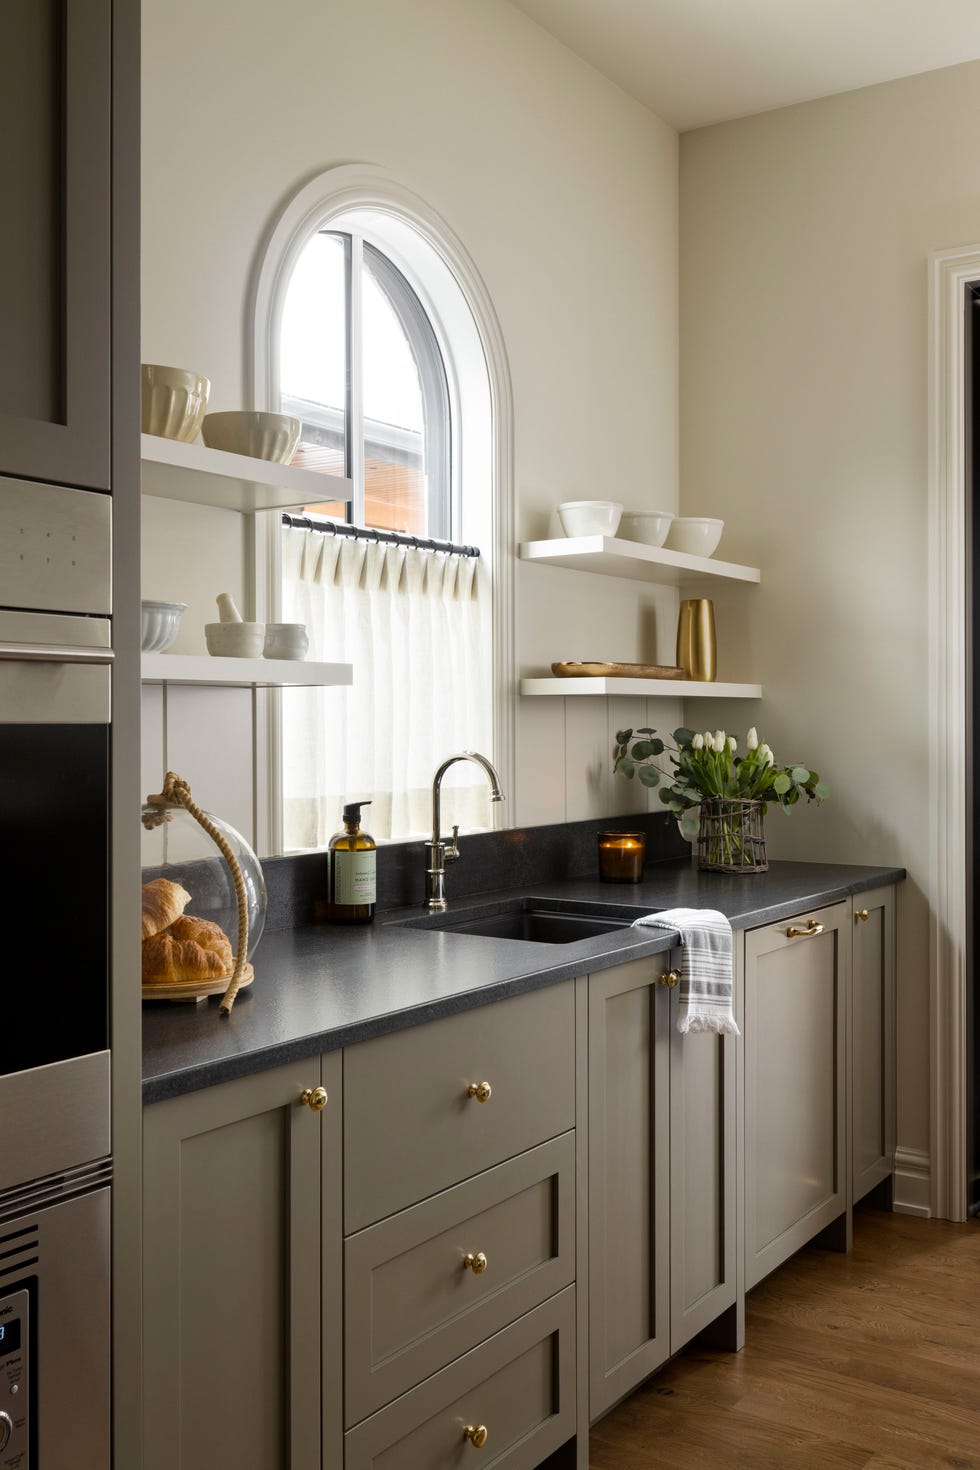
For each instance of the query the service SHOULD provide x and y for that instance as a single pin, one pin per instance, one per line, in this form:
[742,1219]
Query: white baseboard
[911,1187]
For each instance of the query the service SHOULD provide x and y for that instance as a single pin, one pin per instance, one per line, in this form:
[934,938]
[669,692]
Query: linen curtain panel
[416,626]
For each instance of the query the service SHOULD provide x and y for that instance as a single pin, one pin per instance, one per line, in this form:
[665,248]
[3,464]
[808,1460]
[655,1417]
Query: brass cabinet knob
[476,1434]
[315,1098]
[811,930]
[477,1263]
[671,979]
[482,1091]
[861,914]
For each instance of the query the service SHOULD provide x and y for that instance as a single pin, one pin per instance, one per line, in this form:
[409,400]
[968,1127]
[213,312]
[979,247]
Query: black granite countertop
[320,987]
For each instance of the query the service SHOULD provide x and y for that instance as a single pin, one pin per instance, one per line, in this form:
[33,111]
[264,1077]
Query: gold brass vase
[696,646]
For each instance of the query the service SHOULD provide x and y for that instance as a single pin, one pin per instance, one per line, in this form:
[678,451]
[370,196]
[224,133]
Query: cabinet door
[231,1246]
[796,989]
[872,1058]
[703,1210]
[54,245]
[629,1179]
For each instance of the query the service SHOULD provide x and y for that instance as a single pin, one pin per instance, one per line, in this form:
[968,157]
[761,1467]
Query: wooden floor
[865,1360]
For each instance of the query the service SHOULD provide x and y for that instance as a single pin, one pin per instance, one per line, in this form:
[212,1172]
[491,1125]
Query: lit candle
[621,856]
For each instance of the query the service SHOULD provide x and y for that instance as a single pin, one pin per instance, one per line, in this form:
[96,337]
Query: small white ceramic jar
[286,640]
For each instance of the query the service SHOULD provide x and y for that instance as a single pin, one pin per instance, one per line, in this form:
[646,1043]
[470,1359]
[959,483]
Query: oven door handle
[44,653]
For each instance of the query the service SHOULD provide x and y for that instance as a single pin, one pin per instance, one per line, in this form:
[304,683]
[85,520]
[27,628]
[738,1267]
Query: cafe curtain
[416,626]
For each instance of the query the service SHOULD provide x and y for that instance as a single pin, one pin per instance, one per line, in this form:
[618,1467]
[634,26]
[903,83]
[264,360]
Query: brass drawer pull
[671,979]
[482,1091]
[812,929]
[476,1434]
[314,1098]
[476,1263]
[861,914]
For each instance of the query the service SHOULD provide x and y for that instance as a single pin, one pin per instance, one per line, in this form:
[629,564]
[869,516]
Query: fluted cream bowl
[271,436]
[174,401]
[160,624]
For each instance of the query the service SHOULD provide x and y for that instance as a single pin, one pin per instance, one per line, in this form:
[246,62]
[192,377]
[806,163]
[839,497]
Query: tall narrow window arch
[366,332]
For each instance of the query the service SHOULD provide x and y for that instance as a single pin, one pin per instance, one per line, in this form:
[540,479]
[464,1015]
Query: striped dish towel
[706,968]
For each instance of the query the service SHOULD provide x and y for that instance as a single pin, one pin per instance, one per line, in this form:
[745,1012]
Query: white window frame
[330,196]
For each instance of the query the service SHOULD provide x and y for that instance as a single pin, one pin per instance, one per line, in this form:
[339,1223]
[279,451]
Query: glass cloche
[176,847]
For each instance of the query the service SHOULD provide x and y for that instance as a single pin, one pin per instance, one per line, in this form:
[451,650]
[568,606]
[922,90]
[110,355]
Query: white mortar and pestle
[231,637]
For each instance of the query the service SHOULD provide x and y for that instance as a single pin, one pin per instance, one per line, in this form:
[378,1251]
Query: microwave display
[9,1337]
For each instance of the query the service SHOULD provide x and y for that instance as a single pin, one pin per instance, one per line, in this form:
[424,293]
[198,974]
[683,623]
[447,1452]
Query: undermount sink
[526,919]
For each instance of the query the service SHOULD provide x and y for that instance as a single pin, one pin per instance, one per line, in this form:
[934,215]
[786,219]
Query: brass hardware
[476,1434]
[476,1263]
[811,929]
[861,914]
[482,1091]
[671,979]
[314,1098]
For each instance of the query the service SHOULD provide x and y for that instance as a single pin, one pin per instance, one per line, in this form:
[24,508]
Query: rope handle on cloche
[177,792]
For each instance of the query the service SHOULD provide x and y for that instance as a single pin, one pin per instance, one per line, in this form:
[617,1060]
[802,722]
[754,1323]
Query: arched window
[361,365]
[373,328]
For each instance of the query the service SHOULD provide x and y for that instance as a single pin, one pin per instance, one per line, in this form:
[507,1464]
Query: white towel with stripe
[706,968]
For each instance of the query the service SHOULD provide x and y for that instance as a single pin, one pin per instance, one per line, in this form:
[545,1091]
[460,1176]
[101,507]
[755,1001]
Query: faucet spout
[438,850]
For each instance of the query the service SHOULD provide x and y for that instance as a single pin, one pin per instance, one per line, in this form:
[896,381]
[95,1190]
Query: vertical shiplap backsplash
[564,749]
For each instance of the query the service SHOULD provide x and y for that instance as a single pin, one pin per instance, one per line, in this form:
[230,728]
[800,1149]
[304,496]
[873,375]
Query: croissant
[190,950]
[163,902]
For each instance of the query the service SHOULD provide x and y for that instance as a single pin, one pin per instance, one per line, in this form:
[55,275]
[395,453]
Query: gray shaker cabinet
[872,1040]
[796,1137]
[662,1177]
[232,1292]
[55,96]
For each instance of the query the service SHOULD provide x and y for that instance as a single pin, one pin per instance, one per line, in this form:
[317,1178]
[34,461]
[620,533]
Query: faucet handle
[452,848]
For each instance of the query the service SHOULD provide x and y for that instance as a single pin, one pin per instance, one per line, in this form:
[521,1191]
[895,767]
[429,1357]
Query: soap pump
[353,871]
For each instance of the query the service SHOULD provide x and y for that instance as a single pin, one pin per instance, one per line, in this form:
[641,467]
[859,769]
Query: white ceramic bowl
[160,624]
[174,401]
[695,535]
[590,517]
[235,640]
[271,436]
[286,640]
[648,526]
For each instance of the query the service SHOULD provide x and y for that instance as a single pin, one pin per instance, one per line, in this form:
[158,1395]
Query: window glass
[361,365]
[394,422]
[313,358]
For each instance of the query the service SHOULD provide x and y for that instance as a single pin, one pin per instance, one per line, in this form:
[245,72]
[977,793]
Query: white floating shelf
[202,476]
[241,673]
[614,557]
[661,688]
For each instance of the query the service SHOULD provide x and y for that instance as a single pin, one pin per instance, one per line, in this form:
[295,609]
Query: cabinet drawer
[520,1386]
[410,1127]
[413,1305]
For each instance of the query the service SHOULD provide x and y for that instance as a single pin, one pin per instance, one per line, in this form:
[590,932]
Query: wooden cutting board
[617,671]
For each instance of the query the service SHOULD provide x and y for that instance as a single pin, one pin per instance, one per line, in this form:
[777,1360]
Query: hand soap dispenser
[353,871]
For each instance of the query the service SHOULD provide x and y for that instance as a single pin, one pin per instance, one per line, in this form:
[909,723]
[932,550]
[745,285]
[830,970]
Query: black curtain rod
[362,533]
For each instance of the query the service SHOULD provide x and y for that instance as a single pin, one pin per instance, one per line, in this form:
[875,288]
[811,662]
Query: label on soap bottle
[354,877]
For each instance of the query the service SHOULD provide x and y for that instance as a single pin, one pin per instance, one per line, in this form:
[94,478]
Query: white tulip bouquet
[707,767]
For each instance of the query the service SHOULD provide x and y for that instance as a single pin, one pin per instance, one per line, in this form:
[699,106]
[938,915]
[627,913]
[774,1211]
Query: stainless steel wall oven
[55,1146]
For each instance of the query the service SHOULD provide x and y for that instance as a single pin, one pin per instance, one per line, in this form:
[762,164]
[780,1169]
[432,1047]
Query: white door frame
[949,273]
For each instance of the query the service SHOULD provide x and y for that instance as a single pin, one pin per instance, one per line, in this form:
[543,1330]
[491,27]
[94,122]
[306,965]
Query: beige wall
[564,192]
[804,240]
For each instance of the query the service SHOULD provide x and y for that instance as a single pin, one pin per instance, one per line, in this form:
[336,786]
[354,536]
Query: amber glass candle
[621,856]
